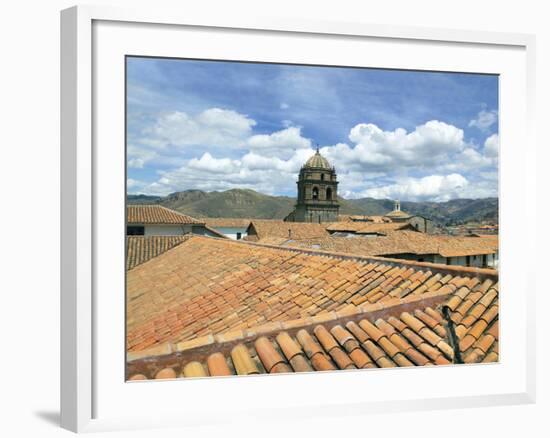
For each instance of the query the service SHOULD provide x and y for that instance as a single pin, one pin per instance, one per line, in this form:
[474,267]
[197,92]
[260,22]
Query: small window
[329,194]
[133,230]
[315,193]
[322,177]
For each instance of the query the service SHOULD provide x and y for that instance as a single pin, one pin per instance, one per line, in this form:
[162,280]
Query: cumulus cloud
[491,146]
[484,120]
[288,139]
[208,163]
[139,156]
[284,106]
[377,163]
[212,127]
[376,149]
[434,187]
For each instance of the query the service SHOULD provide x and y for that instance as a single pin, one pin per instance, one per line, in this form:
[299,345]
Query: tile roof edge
[216,232]
[195,221]
[181,214]
[229,339]
[434,267]
[183,237]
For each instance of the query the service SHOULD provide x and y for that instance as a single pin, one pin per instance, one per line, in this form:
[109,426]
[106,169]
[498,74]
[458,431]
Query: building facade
[155,220]
[419,223]
[317,199]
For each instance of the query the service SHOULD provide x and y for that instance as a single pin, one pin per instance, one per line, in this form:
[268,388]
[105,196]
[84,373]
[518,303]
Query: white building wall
[167,230]
[475,260]
[232,232]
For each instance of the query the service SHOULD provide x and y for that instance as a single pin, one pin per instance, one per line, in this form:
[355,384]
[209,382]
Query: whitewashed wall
[231,232]
[167,230]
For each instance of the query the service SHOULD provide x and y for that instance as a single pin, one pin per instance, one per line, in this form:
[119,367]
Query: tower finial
[317,148]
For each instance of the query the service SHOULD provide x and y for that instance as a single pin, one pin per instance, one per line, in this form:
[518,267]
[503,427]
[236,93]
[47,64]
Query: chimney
[289,233]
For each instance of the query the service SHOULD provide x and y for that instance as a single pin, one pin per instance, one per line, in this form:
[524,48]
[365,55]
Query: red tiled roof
[139,249]
[157,214]
[260,229]
[411,331]
[403,242]
[209,286]
[367,227]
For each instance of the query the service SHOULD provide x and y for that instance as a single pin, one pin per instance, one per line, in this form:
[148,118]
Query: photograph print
[287,218]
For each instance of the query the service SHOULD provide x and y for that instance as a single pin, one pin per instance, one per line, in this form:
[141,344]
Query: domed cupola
[317,161]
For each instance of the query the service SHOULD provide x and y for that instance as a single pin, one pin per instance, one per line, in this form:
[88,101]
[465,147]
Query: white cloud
[491,146]
[433,187]
[284,106]
[376,164]
[485,119]
[288,139]
[212,127]
[139,156]
[429,144]
[214,165]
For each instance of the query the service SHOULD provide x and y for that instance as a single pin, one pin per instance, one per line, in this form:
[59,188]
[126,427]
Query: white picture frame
[84,178]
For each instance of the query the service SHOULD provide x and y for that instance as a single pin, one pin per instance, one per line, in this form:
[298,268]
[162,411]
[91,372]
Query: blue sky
[214,125]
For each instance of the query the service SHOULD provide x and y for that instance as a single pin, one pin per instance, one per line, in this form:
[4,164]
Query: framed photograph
[264,207]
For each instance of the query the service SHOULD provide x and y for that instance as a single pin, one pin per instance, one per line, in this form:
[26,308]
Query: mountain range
[246,203]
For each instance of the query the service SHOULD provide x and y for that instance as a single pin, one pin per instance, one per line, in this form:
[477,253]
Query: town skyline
[419,136]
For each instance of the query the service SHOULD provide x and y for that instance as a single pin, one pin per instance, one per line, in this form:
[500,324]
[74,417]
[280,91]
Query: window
[315,193]
[322,177]
[467,260]
[239,236]
[329,194]
[133,230]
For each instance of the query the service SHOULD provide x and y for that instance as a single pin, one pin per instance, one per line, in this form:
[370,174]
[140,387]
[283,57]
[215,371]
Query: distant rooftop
[157,215]
[404,242]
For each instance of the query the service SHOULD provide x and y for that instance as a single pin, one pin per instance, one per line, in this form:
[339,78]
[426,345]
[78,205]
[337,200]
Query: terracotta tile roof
[375,219]
[357,217]
[367,227]
[227,222]
[403,242]
[157,214]
[412,331]
[209,286]
[139,249]
[260,229]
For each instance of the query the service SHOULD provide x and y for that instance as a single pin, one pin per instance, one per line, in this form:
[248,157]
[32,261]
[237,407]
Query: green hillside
[246,203]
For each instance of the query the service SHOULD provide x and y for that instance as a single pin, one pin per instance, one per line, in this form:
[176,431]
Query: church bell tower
[317,199]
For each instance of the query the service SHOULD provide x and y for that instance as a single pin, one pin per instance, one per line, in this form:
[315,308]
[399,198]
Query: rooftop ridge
[482,273]
[225,341]
[434,267]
